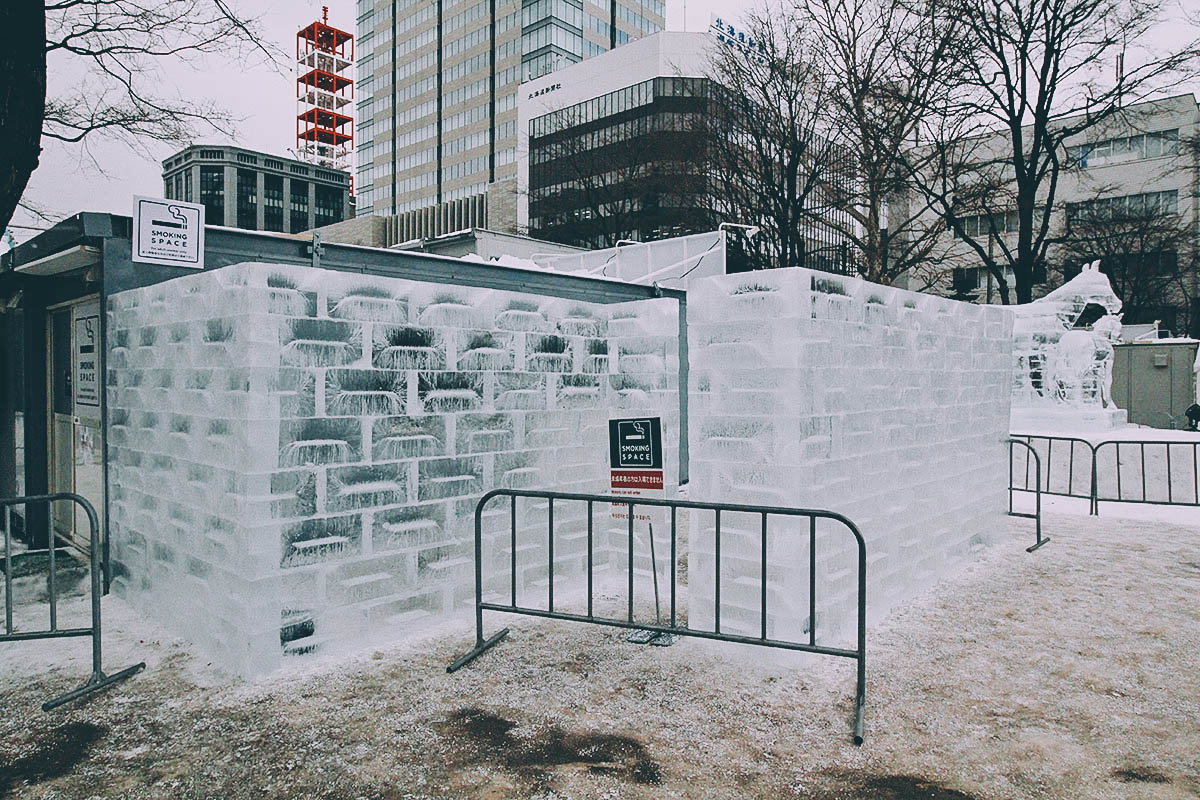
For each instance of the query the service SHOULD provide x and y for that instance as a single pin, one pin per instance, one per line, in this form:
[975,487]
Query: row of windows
[582,113]
[554,34]
[409,138]
[635,19]
[416,112]
[656,7]
[564,10]
[455,194]
[416,65]
[547,62]
[416,182]
[611,134]
[464,43]
[1148,203]
[1125,148]
[417,159]
[463,17]
[598,25]
[617,177]
[979,225]
[462,69]
[464,93]
[464,168]
[423,14]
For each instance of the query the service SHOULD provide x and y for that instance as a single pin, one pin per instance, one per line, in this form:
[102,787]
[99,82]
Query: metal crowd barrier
[1172,499]
[98,679]
[482,644]
[1125,484]
[1037,490]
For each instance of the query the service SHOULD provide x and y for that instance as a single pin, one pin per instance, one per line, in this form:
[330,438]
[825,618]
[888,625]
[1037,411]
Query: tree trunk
[22,99]
[22,106]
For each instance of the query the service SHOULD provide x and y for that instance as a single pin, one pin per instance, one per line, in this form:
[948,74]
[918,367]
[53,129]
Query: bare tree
[886,65]
[1032,78]
[114,51]
[769,154]
[1147,251]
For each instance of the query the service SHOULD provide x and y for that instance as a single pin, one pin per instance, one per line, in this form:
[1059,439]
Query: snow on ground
[1072,672]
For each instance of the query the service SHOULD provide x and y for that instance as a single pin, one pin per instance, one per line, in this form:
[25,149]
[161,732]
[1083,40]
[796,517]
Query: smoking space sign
[168,232]
[635,460]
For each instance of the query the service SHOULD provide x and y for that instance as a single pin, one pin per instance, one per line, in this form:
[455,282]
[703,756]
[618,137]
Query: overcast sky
[68,179]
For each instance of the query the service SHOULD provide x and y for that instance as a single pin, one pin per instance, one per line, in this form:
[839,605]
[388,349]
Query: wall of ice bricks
[295,454]
[815,391]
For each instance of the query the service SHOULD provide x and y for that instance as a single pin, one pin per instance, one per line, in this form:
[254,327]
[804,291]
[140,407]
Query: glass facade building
[625,165]
[437,114]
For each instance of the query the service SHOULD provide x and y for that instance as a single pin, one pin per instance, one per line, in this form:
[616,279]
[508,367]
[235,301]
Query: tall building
[257,191]
[438,81]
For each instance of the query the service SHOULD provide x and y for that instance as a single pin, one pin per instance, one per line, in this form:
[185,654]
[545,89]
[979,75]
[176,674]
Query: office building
[1126,197]
[612,148]
[256,191]
[438,87]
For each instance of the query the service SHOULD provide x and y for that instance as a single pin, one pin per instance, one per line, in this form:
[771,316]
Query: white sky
[67,181]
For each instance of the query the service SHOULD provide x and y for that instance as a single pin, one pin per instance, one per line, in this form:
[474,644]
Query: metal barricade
[1190,464]
[1074,447]
[482,644]
[1037,490]
[98,679]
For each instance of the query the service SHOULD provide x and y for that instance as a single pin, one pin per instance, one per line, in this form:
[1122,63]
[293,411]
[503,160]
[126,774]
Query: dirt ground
[1072,672]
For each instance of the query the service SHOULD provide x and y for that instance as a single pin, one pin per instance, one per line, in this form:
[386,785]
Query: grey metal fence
[482,644]
[1156,472]
[98,679]
[1037,490]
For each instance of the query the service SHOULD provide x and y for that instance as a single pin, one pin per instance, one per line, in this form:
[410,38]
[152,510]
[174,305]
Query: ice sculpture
[816,391]
[1062,374]
[296,453]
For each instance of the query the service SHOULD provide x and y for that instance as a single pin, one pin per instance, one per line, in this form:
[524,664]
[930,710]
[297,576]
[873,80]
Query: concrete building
[608,148]
[1136,166]
[257,191]
[437,114]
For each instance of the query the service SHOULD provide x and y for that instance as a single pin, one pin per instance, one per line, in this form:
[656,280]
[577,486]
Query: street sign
[168,232]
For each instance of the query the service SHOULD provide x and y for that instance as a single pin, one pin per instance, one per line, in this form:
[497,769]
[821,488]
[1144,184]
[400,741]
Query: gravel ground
[1072,672]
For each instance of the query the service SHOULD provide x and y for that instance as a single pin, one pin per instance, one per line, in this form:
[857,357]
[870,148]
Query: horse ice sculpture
[1063,374]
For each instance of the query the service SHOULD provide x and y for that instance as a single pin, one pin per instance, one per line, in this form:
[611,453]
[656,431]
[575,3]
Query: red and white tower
[325,94]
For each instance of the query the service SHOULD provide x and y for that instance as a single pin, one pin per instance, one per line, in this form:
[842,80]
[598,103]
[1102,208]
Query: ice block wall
[817,391]
[296,454]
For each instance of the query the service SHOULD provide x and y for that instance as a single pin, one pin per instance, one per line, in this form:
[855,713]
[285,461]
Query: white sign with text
[168,232]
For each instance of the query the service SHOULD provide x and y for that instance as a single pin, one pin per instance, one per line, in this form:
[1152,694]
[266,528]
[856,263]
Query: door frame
[73,540]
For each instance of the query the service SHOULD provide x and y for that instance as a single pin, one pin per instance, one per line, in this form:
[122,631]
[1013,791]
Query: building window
[247,159]
[1125,148]
[247,199]
[328,206]
[179,187]
[299,203]
[187,186]
[214,154]
[212,194]
[272,203]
